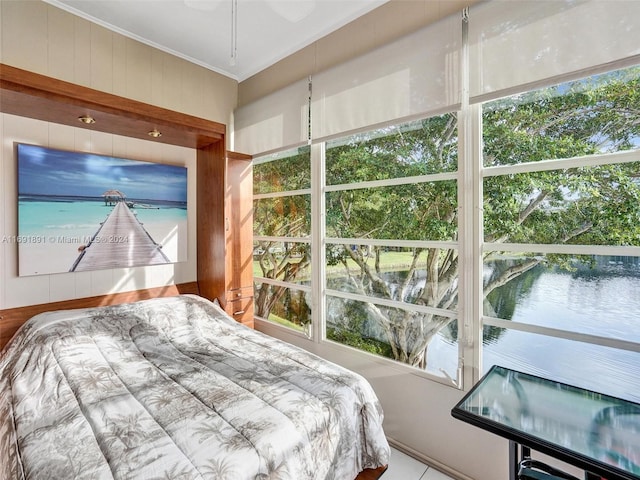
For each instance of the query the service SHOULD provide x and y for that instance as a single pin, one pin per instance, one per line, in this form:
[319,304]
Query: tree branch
[533,204]
[511,273]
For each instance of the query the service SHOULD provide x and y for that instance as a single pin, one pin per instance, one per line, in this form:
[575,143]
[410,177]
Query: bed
[173,388]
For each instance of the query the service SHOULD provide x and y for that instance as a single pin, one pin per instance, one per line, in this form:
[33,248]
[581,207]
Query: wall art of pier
[121,241]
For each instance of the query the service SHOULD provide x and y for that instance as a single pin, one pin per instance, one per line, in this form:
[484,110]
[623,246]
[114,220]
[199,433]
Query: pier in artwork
[121,241]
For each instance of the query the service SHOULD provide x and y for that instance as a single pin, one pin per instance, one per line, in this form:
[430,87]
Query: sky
[45,171]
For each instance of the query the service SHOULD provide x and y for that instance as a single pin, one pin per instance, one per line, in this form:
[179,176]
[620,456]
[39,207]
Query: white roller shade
[518,43]
[279,120]
[417,74]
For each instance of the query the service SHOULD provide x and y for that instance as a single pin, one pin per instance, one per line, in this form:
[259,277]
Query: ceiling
[201,31]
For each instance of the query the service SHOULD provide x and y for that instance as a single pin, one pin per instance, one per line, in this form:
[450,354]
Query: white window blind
[518,45]
[274,122]
[417,74]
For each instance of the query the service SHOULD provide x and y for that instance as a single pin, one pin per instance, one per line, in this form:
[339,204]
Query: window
[282,226]
[391,233]
[499,231]
[561,191]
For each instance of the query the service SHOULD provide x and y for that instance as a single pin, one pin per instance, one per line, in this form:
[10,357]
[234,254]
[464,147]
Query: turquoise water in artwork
[50,217]
[70,218]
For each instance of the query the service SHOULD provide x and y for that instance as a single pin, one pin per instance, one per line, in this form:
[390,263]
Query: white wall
[38,37]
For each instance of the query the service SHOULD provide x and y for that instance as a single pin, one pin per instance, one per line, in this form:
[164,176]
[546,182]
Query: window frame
[320,241]
[274,157]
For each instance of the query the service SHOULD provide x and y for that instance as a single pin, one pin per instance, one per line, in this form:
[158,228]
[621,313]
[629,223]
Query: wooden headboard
[12,318]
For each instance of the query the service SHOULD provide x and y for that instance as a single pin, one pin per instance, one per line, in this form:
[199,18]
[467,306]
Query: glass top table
[597,433]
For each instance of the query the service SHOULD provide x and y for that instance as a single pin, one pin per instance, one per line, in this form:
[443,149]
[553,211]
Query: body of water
[602,300]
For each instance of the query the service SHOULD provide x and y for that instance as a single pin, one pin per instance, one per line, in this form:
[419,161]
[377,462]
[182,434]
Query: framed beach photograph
[82,211]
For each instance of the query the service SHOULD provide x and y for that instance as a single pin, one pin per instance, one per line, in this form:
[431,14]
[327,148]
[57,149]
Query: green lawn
[283,321]
[390,261]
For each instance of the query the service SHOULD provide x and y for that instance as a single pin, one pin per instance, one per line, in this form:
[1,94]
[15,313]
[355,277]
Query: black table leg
[514,460]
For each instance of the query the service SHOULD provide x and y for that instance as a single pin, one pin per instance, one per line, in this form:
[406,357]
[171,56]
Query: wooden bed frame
[371,473]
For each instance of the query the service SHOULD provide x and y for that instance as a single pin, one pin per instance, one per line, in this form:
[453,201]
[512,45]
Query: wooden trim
[211,225]
[12,318]
[239,214]
[238,155]
[372,473]
[32,95]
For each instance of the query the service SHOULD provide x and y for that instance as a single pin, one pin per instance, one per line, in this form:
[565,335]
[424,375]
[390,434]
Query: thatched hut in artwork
[111,197]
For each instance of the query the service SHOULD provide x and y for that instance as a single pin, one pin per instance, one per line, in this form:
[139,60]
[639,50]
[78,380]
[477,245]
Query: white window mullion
[392,243]
[564,163]
[266,238]
[393,303]
[390,182]
[318,232]
[563,334]
[280,283]
[471,234]
[470,294]
[291,193]
[563,249]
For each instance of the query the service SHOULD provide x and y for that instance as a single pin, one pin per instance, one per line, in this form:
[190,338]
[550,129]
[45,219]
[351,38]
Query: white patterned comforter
[172,388]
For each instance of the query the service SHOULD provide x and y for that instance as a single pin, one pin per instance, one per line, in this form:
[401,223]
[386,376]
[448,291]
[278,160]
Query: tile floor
[404,467]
